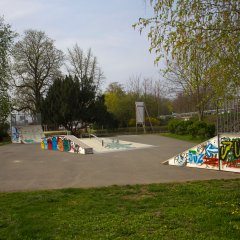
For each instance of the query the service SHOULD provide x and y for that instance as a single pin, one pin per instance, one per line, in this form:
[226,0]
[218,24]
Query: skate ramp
[65,143]
[84,148]
[69,143]
[218,153]
[107,145]
[27,134]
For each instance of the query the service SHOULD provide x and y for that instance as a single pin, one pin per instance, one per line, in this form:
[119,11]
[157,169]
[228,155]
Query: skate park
[35,161]
[26,167]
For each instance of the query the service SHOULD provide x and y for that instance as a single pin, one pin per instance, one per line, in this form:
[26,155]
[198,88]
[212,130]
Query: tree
[70,103]
[36,62]
[209,26]
[191,76]
[178,23]
[6,38]
[100,116]
[81,64]
[148,90]
[118,103]
[134,86]
[5,107]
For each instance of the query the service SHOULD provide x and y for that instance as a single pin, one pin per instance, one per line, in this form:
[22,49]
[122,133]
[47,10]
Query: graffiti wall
[27,134]
[229,152]
[62,144]
[206,154]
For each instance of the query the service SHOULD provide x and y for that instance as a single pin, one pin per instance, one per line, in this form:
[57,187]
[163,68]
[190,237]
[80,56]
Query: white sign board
[140,117]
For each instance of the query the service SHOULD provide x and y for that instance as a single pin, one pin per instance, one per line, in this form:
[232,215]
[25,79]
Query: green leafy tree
[177,24]
[120,104]
[184,32]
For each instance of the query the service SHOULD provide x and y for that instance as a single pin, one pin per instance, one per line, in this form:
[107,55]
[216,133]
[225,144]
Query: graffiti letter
[200,158]
[237,149]
[225,149]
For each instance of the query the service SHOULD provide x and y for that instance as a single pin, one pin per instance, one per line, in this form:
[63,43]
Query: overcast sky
[103,25]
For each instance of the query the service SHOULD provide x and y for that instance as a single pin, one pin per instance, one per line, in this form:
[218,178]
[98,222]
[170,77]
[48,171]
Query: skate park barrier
[65,143]
[219,153]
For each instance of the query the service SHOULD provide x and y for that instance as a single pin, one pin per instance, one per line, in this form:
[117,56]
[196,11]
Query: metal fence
[228,116]
[23,119]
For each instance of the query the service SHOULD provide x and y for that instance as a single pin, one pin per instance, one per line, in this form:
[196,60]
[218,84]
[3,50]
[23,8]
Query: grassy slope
[196,210]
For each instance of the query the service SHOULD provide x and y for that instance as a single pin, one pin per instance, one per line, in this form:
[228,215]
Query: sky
[105,26]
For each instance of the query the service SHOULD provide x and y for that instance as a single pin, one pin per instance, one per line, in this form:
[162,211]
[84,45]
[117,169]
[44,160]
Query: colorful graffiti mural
[27,134]
[204,155]
[62,144]
[16,131]
[230,152]
[209,155]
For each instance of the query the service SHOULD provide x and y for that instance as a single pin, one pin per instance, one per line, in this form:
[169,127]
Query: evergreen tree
[72,103]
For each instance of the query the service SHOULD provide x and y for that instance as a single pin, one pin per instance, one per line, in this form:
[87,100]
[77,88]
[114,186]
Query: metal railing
[97,138]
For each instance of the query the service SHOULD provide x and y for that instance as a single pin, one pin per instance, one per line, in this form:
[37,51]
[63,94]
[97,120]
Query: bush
[4,131]
[182,127]
[194,128]
[201,129]
[132,122]
[172,125]
[179,126]
[211,129]
[154,121]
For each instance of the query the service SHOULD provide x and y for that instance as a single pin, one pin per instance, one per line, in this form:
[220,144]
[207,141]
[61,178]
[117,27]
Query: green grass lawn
[183,137]
[194,210]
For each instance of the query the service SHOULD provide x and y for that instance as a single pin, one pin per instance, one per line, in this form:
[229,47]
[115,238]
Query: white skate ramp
[27,134]
[217,154]
[84,148]
[105,145]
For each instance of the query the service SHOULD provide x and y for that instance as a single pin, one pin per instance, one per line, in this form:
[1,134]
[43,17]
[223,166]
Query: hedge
[194,128]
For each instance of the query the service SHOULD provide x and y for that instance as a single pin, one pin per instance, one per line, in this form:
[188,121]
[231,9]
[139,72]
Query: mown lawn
[193,210]
[188,138]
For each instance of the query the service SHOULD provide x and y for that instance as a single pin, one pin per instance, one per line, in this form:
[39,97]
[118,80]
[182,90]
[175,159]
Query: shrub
[201,129]
[154,121]
[179,126]
[172,125]
[182,127]
[132,122]
[211,130]
[194,128]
